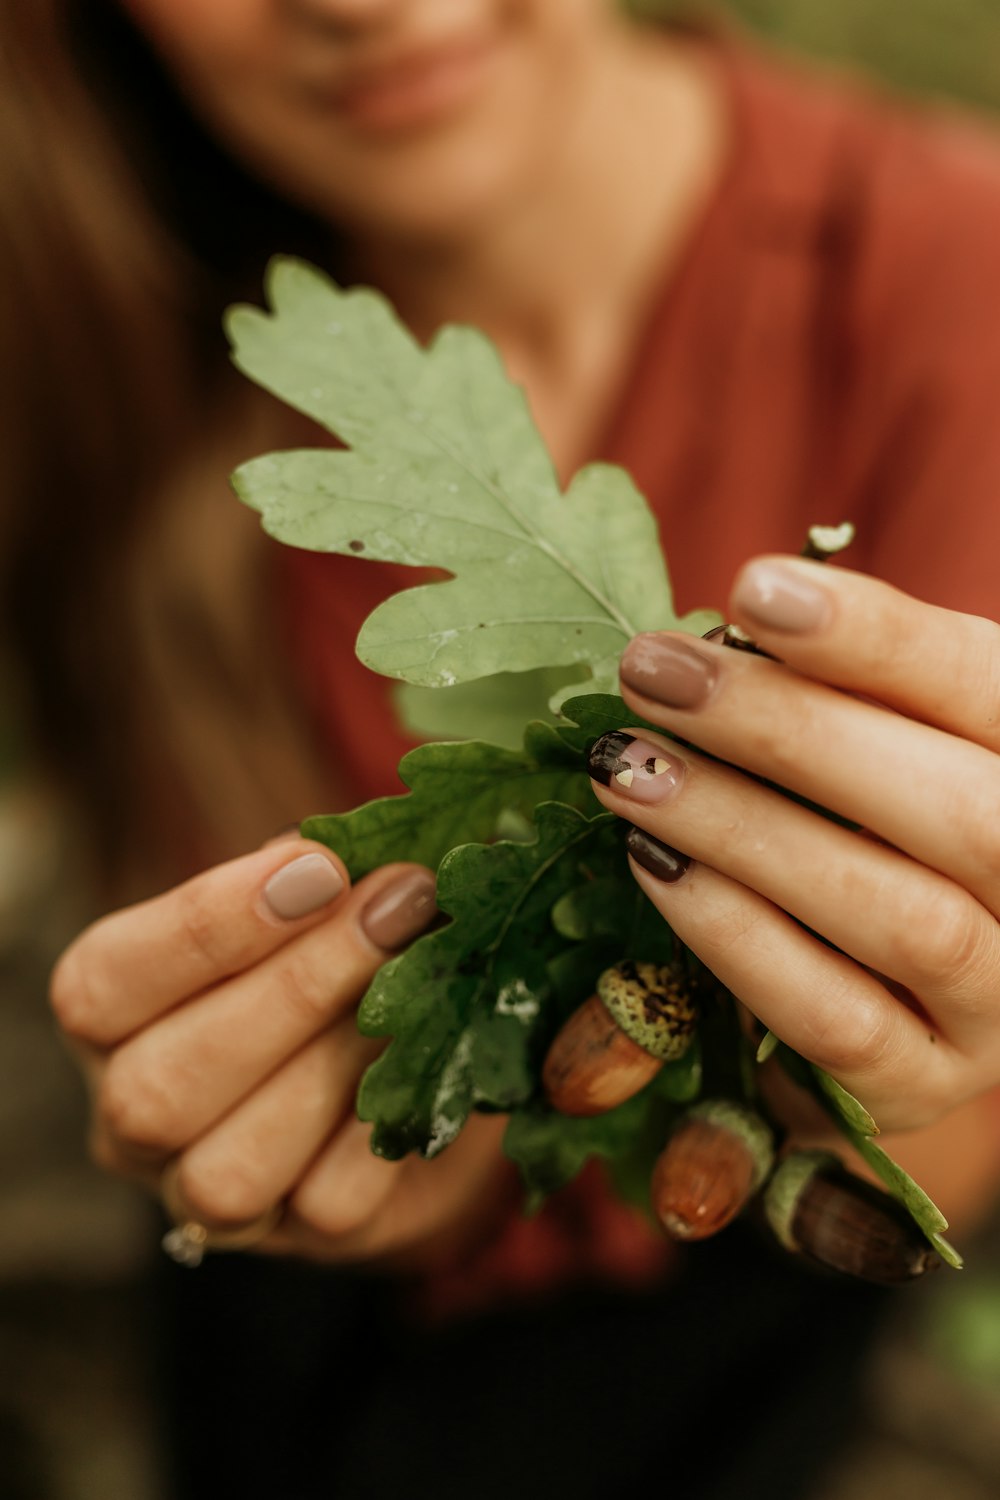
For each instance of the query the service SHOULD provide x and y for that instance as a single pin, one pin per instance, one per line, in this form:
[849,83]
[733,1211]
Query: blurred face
[414,117]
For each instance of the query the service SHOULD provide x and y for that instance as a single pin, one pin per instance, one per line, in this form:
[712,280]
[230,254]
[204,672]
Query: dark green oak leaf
[467,1005]
[460,792]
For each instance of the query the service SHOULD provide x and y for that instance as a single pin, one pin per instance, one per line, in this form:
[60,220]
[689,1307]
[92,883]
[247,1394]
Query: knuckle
[199,925]
[222,1193]
[981,656]
[734,927]
[325,1211]
[942,940]
[852,1036]
[307,986]
[81,994]
[981,845]
[136,1110]
[781,745]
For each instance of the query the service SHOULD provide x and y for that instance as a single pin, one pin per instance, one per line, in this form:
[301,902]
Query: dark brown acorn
[717,1157]
[641,1017]
[819,1209]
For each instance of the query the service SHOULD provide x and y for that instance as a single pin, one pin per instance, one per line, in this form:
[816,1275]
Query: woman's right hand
[216,1027]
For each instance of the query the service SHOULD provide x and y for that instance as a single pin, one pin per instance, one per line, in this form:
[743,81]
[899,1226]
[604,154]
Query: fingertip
[304,884]
[403,908]
[787,595]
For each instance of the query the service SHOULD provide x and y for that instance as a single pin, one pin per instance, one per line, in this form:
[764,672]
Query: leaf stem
[534,536]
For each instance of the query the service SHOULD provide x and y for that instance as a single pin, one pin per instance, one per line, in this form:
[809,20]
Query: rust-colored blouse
[829,349]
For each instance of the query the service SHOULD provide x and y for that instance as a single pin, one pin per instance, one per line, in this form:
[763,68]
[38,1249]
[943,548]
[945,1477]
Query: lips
[420,87]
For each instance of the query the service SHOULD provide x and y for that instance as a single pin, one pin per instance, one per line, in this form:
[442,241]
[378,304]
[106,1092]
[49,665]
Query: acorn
[641,1017]
[818,1209]
[718,1156]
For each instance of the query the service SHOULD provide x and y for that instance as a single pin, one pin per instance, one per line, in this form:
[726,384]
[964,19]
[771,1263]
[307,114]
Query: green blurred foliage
[944,47]
[963,1329]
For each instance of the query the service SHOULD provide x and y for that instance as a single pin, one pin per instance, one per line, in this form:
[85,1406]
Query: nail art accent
[401,911]
[677,673]
[635,767]
[302,887]
[659,859]
[782,597]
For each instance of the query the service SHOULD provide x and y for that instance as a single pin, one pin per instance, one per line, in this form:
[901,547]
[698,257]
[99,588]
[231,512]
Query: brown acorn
[717,1157]
[819,1209]
[641,1017]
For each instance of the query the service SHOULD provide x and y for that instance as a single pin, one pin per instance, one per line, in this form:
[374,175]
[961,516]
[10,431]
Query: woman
[694,264]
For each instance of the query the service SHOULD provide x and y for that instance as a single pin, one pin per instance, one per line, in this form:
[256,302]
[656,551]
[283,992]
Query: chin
[436,208]
[434,188]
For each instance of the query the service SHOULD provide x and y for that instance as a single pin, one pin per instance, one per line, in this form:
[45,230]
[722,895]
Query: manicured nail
[303,886]
[779,596]
[635,767]
[659,859]
[670,671]
[401,911]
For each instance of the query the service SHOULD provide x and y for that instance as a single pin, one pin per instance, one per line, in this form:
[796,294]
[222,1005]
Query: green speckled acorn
[641,1017]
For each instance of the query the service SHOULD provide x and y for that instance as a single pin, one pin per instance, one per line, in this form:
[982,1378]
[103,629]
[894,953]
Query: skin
[220,1043]
[905,1016]
[219,1040]
[220,1047]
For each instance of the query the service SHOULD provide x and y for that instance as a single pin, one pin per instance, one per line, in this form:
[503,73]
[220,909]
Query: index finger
[863,635]
[136,964]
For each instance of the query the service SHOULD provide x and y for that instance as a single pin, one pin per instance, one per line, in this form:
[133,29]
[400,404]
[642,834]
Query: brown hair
[132,579]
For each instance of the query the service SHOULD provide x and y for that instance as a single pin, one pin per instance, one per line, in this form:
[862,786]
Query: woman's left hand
[886,712]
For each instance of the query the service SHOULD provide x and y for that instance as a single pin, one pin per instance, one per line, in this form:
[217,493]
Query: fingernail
[778,596]
[401,911]
[636,767]
[303,886]
[669,671]
[659,859]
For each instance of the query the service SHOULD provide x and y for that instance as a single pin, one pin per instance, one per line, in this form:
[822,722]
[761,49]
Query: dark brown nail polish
[659,859]
[401,911]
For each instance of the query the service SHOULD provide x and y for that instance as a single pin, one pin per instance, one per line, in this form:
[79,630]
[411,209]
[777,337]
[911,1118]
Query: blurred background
[77,1411]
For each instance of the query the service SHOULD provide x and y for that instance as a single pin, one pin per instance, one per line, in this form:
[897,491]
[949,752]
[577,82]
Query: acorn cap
[744,1122]
[652,1005]
[844,1222]
[790,1179]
